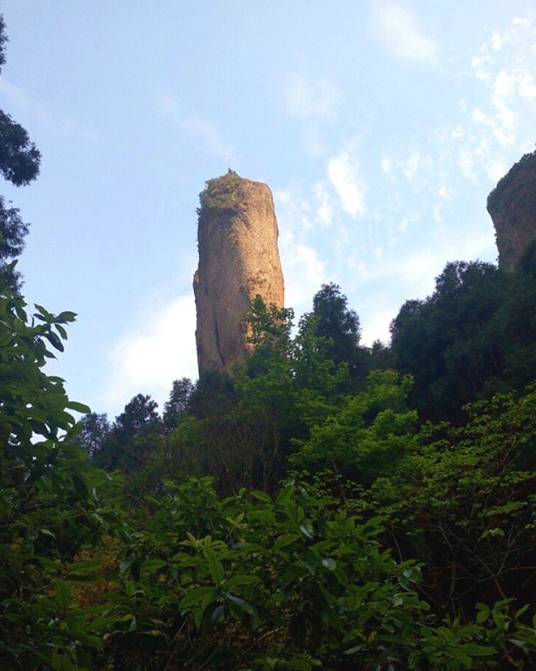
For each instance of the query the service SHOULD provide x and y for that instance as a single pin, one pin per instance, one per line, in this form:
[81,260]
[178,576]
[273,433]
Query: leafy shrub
[294,582]
[48,507]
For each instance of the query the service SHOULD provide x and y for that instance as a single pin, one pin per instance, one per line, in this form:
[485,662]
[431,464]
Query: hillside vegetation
[300,513]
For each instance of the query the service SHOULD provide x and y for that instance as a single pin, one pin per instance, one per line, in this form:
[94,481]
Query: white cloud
[411,165]
[147,359]
[496,40]
[307,99]
[466,163]
[210,138]
[479,65]
[414,271]
[386,165]
[410,233]
[313,142]
[403,225]
[201,130]
[526,86]
[502,121]
[409,274]
[496,170]
[521,21]
[304,272]
[13,93]
[42,113]
[324,211]
[497,128]
[304,268]
[504,84]
[400,32]
[343,174]
[377,328]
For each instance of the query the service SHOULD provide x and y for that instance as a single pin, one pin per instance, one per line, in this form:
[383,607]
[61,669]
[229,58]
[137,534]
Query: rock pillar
[512,207]
[238,259]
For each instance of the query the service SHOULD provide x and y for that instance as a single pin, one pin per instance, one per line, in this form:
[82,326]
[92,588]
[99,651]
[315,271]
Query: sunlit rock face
[512,207]
[238,259]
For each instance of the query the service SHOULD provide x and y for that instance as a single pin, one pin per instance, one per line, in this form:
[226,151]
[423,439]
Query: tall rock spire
[238,259]
[512,207]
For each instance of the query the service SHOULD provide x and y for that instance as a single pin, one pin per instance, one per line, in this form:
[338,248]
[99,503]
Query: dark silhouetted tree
[178,403]
[340,325]
[19,164]
[139,414]
[94,433]
[448,342]
[12,233]
[132,436]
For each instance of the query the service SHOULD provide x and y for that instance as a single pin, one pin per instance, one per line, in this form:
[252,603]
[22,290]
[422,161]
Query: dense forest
[327,505]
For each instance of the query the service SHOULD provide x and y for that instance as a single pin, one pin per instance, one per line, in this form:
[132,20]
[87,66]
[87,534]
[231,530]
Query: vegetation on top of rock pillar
[219,192]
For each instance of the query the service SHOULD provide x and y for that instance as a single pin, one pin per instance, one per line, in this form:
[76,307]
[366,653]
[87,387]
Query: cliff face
[238,259]
[512,207]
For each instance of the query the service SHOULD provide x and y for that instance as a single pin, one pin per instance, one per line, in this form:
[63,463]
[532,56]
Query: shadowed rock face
[238,259]
[512,207]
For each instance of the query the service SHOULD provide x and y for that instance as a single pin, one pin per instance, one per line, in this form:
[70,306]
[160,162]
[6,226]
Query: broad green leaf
[241,581]
[66,316]
[482,615]
[197,596]
[214,564]
[476,650]
[63,595]
[55,341]
[78,407]
[307,531]
[61,662]
[284,540]
[153,565]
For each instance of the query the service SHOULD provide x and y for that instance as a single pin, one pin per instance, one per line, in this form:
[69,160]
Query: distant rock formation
[512,207]
[238,259]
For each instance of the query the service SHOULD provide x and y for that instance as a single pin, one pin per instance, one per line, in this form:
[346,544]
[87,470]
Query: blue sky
[380,126]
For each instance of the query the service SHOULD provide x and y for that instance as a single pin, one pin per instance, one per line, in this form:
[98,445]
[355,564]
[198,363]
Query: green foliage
[464,503]
[366,436]
[93,433]
[219,193]
[12,233]
[3,41]
[179,402]
[128,442]
[48,504]
[352,569]
[242,428]
[295,581]
[449,342]
[473,337]
[19,157]
[340,328]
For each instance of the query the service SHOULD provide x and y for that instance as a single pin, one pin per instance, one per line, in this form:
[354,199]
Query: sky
[380,126]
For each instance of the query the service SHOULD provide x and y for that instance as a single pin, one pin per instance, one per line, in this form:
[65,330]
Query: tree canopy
[19,164]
